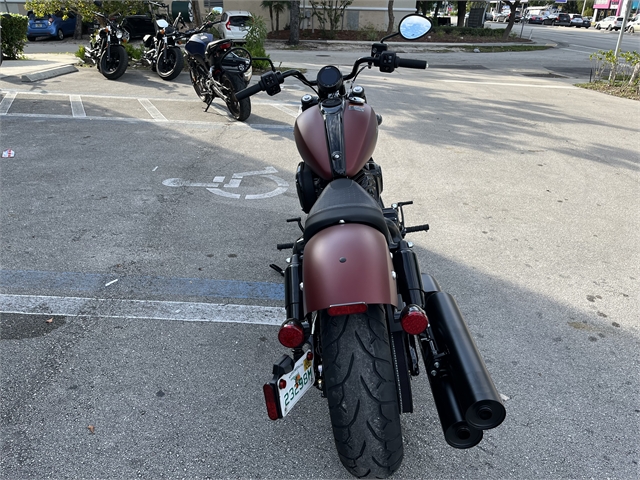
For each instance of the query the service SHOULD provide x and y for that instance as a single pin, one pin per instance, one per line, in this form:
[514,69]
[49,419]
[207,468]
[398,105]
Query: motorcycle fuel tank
[356,123]
[197,44]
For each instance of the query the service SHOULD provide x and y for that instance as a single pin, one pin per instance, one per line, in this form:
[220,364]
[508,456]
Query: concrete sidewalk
[40,66]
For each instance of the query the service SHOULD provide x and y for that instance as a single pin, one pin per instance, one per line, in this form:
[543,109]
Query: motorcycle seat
[211,46]
[344,200]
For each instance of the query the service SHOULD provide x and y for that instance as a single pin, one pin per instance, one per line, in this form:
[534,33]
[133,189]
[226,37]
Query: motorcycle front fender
[348,263]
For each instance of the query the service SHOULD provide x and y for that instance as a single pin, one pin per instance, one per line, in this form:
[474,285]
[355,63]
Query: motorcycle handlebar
[375,61]
[411,63]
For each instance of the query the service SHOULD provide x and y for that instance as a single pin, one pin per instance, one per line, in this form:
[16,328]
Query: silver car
[234,24]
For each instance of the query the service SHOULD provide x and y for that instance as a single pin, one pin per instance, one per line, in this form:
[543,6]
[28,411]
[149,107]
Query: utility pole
[625,16]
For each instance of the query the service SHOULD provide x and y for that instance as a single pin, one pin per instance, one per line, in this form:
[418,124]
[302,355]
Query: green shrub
[81,51]
[14,35]
[134,52]
[255,41]
[370,32]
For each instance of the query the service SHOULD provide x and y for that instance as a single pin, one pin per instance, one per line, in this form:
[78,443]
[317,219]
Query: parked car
[562,20]
[578,21]
[534,18]
[633,25]
[609,23]
[138,26]
[234,25]
[51,26]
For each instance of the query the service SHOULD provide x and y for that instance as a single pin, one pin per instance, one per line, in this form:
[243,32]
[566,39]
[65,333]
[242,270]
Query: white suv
[610,23]
[634,24]
[234,25]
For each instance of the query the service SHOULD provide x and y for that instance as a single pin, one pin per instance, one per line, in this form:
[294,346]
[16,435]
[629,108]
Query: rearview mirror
[414,26]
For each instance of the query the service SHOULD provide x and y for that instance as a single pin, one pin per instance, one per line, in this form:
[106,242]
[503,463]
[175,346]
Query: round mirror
[162,23]
[414,26]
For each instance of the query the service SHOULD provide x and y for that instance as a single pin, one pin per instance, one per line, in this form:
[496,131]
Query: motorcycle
[161,52]
[106,49]
[358,308]
[219,69]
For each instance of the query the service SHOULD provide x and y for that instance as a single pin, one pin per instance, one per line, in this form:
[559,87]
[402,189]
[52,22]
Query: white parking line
[153,111]
[6,102]
[140,309]
[529,85]
[77,108]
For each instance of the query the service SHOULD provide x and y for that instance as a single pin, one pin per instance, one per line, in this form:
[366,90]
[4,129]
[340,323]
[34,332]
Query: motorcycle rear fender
[345,264]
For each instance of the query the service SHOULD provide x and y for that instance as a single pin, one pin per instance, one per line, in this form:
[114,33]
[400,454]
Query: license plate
[299,381]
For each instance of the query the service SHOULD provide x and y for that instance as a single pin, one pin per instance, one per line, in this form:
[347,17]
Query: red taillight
[291,334]
[270,399]
[413,319]
[335,310]
[228,25]
[224,46]
[50,20]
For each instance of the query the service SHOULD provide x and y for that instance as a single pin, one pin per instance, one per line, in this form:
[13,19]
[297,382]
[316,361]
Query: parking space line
[140,309]
[77,108]
[6,102]
[153,111]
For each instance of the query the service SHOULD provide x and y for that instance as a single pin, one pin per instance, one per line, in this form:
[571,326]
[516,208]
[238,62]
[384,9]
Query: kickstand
[277,269]
[209,103]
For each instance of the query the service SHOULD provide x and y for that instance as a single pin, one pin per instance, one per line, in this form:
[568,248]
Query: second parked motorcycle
[161,52]
[219,69]
[106,49]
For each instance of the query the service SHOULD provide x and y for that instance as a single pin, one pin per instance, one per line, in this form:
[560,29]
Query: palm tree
[269,5]
[278,8]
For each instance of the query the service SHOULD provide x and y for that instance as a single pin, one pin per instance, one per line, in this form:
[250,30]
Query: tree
[84,9]
[294,23]
[462,10]
[391,19]
[277,7]
[333,10]
[513,6]
[268,4]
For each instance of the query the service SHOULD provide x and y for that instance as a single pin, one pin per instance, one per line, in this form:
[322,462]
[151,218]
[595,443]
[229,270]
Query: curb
[49,73]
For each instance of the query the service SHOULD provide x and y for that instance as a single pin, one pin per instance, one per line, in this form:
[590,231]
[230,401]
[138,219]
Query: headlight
[119,33]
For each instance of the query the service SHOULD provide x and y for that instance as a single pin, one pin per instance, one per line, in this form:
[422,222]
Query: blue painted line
[131,286]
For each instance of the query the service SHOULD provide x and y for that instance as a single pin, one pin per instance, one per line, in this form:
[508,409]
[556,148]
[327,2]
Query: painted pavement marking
[152,110]
[77,108]
[6,102]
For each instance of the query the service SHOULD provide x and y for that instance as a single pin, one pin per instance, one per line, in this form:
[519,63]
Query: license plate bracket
[298,382]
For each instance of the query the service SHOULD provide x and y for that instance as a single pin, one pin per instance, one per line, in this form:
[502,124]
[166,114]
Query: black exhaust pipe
[470,383]
[457,431]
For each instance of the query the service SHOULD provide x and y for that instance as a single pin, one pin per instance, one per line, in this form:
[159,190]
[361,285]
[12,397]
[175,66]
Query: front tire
[362,392]
[240,109]
[170,67]
[115,66]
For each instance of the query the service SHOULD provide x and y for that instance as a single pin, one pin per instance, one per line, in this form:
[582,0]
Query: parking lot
[139,312]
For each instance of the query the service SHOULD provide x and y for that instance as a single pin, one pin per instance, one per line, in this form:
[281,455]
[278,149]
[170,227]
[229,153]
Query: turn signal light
[270,399]
[291,334]
[413,319]
[335,310]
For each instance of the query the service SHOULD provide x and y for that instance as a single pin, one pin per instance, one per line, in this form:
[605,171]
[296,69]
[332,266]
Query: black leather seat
[344,199]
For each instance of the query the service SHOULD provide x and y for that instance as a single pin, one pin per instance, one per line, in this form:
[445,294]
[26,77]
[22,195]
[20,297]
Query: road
[143,228]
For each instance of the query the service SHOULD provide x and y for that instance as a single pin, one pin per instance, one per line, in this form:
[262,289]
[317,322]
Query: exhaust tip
[485,414]
[461,435]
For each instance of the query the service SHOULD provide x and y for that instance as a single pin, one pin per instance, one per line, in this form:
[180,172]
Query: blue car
[51,26]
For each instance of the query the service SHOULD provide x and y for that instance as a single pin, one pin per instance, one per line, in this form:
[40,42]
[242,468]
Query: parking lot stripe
[6,102]
[140,309]
[153,111]
[77,108]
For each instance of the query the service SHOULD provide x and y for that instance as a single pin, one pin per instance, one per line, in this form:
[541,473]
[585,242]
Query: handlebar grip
[411,63]
[417,228]
[247,92]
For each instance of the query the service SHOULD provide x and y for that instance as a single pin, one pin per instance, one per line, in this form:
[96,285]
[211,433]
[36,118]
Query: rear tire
[240,109]
[171,67]
[362,392]
[116,65]
[60,35]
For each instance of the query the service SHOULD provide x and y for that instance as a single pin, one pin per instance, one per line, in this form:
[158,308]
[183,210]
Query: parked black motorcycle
[219,69]
[358,308]
[161,52]
[106,49]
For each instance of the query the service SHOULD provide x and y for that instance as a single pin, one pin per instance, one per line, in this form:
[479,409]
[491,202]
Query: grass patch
[504,48]
[619,89]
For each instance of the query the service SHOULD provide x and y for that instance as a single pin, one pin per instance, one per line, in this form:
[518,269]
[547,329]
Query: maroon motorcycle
[358,308]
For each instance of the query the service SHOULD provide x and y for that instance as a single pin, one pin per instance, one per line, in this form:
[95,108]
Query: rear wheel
[115,65]
[60,35]
[240,109]
[362,393]
[170,66]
